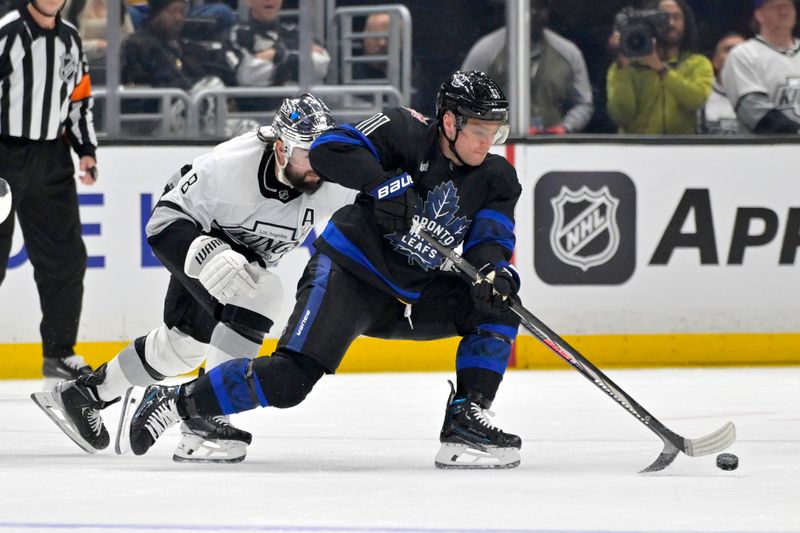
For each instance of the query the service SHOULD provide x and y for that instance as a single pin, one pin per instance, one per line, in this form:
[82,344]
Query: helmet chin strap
[280,171]
[451,143]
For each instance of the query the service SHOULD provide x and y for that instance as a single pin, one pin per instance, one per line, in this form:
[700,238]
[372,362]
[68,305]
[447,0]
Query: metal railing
[363,101]
[165,98]
[350,101]
[343,40]
[372,98]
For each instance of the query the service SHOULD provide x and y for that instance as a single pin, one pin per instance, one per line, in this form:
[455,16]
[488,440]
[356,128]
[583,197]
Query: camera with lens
[638,27]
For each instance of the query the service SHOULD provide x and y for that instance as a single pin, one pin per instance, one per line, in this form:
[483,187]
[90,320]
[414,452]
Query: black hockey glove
[395,203]
[492,294]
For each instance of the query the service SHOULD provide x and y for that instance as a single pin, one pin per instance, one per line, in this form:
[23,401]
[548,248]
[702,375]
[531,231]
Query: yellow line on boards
[24,361]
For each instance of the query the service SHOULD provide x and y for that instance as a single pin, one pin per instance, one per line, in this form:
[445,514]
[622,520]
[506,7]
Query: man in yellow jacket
[661,92]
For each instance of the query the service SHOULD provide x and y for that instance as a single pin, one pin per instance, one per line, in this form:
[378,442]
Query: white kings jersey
[757,67]
[232,193]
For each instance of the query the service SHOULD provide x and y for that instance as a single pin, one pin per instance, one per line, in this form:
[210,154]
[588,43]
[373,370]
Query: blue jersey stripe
[336,239]
[347,134]
[490,226]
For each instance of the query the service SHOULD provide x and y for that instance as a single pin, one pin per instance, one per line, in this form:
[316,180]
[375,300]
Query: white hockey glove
[219,269]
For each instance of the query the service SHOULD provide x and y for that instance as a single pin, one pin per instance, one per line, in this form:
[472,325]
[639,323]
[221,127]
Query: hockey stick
[673,443]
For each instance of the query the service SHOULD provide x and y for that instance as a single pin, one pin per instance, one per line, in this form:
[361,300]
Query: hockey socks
[226,389]
[281,380]
[478,381]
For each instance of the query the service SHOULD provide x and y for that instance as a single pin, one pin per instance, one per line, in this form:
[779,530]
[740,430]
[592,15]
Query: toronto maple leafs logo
[438,219]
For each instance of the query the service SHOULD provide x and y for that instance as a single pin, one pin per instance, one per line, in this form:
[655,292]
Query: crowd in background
[580,80]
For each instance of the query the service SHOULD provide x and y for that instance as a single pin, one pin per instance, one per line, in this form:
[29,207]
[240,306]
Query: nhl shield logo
[68,68]
[585,231]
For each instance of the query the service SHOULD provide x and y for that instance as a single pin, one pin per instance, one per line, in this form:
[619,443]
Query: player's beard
[298,180]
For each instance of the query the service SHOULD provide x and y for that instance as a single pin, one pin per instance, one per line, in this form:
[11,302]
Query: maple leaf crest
[438,218]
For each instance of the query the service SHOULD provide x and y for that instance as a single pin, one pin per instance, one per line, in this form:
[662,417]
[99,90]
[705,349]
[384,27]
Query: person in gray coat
[561,96]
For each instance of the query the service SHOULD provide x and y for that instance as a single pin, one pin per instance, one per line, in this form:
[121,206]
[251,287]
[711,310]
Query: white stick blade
[713,442]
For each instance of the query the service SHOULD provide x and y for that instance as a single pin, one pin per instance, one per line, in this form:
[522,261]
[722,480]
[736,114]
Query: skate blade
[461,456]
[196,449]
[122,444]
[47,403]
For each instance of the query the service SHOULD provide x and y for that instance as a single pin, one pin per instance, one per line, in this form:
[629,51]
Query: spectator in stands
[561,96]
[267,49]
[718,117]
[762,76]
[221,13]
[91,19]
[157,56]
[662,92]
[378,45]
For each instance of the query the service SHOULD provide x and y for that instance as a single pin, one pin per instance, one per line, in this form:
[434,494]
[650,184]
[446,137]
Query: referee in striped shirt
[45,106]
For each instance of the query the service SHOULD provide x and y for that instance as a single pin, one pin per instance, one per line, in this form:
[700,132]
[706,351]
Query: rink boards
[639,254]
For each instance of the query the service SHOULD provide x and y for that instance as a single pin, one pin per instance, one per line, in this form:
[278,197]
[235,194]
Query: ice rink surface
[357,456]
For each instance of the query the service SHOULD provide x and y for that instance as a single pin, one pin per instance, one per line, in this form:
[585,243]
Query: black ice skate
[75,408]
[469,440]
[211,440]
[55,370]
[156,413]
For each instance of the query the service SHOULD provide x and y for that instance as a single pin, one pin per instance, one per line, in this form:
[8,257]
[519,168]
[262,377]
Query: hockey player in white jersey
[762,76]
[220,225]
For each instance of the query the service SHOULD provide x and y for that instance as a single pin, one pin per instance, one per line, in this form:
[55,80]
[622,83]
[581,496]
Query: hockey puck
[727,461]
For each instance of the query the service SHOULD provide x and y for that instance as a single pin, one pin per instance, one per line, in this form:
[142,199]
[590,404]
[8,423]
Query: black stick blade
[668,454]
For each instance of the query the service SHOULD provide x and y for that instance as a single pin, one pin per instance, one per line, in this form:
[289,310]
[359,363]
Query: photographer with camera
[762,76]
[657,84]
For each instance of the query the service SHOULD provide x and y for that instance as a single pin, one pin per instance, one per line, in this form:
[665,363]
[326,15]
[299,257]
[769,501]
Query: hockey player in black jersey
[372,276]
[218,228]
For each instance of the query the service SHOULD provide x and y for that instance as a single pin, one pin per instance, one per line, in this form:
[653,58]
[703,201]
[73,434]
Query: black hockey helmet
[473,94]
[299,121]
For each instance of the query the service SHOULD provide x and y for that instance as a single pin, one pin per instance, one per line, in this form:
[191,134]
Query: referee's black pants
[45,199]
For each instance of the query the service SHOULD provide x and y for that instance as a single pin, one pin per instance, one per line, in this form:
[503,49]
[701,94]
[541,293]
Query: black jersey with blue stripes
[459,205]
